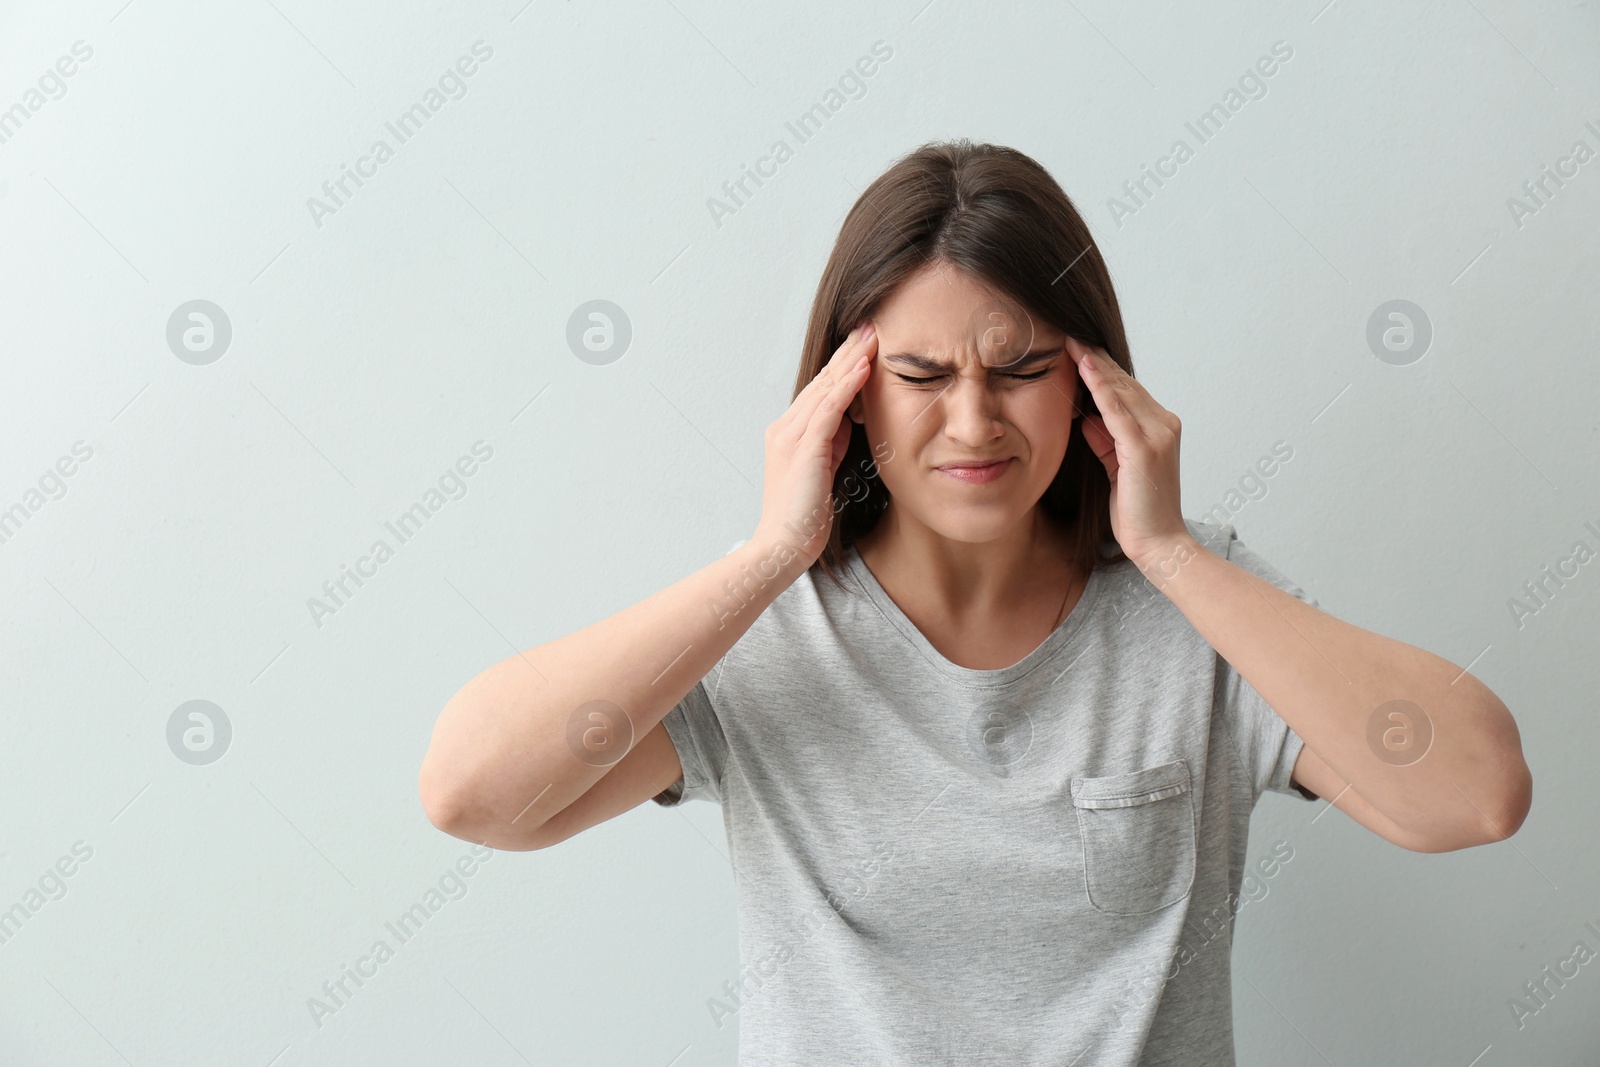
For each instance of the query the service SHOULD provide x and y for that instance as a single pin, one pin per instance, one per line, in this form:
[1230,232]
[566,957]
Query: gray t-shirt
[1036,865]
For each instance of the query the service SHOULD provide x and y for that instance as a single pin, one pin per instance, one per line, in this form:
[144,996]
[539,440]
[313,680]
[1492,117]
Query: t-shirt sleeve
[696,733]
[1266,745]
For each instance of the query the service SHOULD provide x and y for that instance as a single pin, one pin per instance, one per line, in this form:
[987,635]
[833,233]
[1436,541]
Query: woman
[986,715]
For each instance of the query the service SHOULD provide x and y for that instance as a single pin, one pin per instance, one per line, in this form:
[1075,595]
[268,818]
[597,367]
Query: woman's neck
[1028,568]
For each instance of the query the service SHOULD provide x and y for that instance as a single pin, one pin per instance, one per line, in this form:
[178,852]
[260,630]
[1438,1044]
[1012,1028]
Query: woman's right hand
[805,447]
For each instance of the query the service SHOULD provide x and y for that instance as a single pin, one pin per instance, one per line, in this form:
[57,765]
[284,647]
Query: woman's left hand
[1137,440]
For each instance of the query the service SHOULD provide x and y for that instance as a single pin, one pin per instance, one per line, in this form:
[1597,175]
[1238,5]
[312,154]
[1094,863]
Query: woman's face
[977,397]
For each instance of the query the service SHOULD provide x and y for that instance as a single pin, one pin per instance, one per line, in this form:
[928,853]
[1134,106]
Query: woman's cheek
[1042,411]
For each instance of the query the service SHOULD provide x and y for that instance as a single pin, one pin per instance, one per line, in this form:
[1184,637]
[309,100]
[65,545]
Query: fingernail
[868,332]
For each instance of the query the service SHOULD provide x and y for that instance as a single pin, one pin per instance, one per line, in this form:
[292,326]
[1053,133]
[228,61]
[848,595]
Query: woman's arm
[1338,686]
[509,750]
[502,763]
[1404,741]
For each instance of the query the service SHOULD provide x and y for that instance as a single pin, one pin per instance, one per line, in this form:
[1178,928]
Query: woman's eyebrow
[926,363]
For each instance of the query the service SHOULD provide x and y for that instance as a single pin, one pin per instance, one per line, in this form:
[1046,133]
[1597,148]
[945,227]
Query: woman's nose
[971,409]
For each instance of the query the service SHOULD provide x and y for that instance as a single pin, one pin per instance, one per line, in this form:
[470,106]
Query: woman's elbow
[442,797]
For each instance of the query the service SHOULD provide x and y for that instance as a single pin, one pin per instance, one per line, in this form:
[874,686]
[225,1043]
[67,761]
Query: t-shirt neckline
[1058,638]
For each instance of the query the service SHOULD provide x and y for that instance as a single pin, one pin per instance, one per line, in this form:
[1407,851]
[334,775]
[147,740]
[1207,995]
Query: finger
[829,413]
[1125,410]
[804,402]
[1124,414]
[841,365]
[1128,393]
[855,342]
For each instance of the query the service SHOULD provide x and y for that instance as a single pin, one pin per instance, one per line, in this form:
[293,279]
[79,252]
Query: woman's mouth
[978,473]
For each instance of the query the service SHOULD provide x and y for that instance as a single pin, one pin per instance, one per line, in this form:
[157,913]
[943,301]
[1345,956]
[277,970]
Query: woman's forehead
[945,312]
[984,333]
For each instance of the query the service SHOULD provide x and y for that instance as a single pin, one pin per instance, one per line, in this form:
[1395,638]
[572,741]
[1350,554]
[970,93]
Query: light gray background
[431,311]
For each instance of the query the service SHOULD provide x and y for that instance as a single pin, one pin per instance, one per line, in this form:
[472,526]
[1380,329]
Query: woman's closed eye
[1017,377]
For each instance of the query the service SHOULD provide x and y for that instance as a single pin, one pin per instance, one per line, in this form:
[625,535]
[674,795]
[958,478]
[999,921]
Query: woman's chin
[975,524]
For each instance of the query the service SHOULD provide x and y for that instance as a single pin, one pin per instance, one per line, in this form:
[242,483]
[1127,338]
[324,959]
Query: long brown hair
[997,215]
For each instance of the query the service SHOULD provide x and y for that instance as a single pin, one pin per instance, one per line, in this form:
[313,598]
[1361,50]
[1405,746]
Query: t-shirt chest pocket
[1138,831]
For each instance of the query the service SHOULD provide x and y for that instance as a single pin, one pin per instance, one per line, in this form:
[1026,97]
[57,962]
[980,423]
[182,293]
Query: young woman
[986,716]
